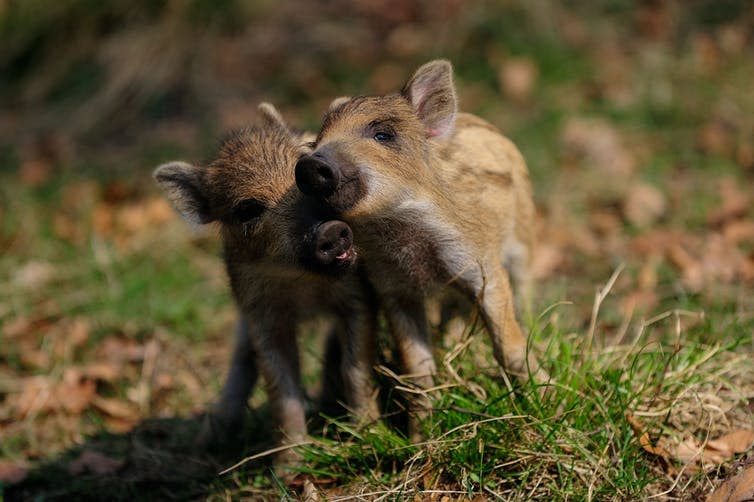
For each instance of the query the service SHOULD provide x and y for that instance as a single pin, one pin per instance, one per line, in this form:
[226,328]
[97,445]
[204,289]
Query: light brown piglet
[434,198]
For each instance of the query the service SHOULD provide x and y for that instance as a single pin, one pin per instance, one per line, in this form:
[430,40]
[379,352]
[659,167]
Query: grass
[573,443]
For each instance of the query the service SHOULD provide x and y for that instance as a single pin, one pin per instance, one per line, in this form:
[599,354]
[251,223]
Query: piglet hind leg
[509,343]
[223,424]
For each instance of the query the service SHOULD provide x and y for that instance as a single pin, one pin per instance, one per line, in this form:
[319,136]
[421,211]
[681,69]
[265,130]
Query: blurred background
[636,119]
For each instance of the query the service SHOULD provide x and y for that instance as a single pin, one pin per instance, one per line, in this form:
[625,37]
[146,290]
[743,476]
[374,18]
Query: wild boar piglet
[284,265]
[434,198]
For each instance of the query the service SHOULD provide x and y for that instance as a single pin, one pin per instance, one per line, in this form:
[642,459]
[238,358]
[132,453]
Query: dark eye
[247,210]
[383,137]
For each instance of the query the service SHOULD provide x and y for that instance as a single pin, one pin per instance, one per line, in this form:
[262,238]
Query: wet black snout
[316,177]
[333,243]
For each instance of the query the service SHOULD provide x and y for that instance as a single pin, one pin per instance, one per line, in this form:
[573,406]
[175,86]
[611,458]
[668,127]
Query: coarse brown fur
[265,226]
[434,197]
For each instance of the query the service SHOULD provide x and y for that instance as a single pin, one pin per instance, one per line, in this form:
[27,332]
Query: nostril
[325,247]
[325,172]
[344,234]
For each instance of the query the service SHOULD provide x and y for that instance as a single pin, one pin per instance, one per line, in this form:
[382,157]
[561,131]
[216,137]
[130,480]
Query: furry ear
[183,185]
[337,102]
[271,116]
[433,95]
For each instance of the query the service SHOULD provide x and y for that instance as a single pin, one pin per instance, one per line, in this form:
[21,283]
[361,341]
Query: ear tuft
[433,95]
[184,187]
[335,103]
[271,116]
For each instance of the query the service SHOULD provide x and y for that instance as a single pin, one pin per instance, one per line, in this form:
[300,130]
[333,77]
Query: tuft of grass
[573,442]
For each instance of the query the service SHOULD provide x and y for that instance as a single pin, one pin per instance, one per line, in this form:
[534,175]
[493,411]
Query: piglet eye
[247,210]
[383,137]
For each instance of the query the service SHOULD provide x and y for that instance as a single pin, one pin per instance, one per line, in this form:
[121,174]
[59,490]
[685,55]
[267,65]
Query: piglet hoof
[287,463]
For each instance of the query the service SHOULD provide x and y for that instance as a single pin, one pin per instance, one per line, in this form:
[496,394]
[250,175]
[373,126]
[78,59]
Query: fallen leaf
[517,78]
[643,204]
[115,408]
[94,462]
[714,451]
[75,393]
[39,394]
[25,326]
[745,155]
[118,425]
[706,53]
[690,267]
[739,230]
[34,172]
[78,331]
[735,203]
[545,260]
[118,349]
[34,274]
[739,488]
[644,441]
[732,443]
[33,398]
[655,19]
[11,472]
[600,145]
[103,371]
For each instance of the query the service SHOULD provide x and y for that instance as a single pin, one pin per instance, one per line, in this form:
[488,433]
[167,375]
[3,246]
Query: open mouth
[347,255]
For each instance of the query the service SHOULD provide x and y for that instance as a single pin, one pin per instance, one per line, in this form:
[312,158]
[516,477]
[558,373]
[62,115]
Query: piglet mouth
[347,255]
[332,248]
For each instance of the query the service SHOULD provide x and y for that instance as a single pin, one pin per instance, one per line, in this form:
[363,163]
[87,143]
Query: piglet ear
[337,102]
[271,116]
[184,187]
[433,95]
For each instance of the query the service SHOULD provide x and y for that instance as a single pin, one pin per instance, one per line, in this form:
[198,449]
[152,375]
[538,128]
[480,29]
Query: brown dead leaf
[12,472]
[517,77]
[646,444]
[34,396]
[34,172]
[26,326]
[116,408]
[75,393]
[732,443]
[745,155]
[118,349]
[39,394]
[94,462]
[714,452]
[655,19]
[34,274]
[102,220]
[643,204]
[545,260]
[738,231]
[119,425]
[739,488]
[706,53]
[643,300]
[604,222]
[735,203]
[690,267]
[78,331]
[105,371]
[600,145]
